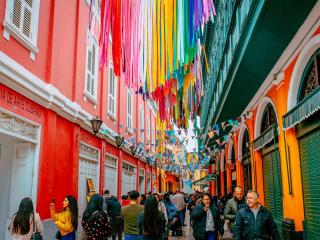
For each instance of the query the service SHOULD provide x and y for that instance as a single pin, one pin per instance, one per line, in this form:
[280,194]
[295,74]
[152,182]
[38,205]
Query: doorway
[18,177]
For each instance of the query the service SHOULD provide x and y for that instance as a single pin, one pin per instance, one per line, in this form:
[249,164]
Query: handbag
[58,235]
[35,235]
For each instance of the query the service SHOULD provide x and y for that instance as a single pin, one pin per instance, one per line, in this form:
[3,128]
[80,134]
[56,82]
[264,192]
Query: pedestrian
[152,222]
[130,214]
[66,220]
[105,196]
[142,199]
[178,200]
[95,221]
[206,220]
[163,209]
[192,203]
[125,200]
[114,212]
[174,222]
[233,205]
[254,221]
[25,221]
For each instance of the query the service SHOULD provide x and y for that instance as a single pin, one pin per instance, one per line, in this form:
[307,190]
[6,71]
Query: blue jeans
[210,235]
[181,216]
[69,236]
[132,237]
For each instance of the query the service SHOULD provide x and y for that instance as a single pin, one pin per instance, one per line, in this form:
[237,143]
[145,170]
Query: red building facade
[50,89]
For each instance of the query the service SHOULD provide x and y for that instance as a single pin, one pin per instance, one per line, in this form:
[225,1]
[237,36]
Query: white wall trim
[296,45]
[18,78]
[257,125]
[304,57]
[240,140]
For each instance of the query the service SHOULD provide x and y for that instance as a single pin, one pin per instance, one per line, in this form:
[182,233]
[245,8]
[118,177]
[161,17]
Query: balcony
[243,43]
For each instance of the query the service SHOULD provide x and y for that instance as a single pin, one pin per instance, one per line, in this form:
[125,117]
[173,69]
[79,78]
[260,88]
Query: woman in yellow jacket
[67,219]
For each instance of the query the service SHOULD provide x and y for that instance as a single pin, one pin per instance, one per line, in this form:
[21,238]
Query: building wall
[278,93]
[50,92]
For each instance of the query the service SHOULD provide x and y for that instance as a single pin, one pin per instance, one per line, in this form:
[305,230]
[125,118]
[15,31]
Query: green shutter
[309,147]
[273,186]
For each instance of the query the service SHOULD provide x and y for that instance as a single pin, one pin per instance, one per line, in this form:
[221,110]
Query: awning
[205,180]
[266,137]
[302,110]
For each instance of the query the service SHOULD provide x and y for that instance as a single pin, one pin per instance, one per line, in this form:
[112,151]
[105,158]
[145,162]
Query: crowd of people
[151,217]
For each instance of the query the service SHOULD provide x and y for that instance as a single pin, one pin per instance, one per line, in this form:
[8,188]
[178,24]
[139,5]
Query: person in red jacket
[125,200]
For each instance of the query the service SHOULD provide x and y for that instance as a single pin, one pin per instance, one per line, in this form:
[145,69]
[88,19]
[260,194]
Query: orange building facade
[276,147]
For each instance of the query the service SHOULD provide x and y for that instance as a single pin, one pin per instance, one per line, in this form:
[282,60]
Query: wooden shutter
[21,16]
[16,13]
[129,112]
[111,91]
[309,147]
[27,18]
[93,69]
[89,54]
[91,73]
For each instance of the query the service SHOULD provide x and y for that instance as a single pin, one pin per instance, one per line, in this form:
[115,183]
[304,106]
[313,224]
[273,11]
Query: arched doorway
[246,161]
[267,144]
[307,124]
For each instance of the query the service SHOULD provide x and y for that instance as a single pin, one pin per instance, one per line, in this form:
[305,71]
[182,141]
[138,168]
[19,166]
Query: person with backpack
[174,222]
[152,222]
[95,221]
[66,220]
[25,222]
[114,212]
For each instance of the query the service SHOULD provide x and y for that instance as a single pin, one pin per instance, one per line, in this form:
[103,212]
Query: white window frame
[129,114]
[148,129]
[114,96]
[141,123]
[11,30]
[92,43]
[153,138]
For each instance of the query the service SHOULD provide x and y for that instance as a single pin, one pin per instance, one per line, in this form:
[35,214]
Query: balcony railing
[226,30]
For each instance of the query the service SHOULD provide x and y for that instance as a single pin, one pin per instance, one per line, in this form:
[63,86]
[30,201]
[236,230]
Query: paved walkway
[188,235]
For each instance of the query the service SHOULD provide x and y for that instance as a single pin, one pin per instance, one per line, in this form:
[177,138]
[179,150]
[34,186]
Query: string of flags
[157,47]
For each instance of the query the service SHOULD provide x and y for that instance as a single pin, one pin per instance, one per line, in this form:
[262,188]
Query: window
[148,130]
[112,87]
[92,69]
[311,76]
[129,111]
[153,138]
[21,22]
[269,117]
[141,122]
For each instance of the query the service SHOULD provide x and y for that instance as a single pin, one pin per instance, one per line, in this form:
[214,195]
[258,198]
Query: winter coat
[199,219]
[190,205]
[231,209]
[248,227]
[97,226]
[113,207]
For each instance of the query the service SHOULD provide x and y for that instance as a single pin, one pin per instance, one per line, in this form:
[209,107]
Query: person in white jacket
[25,221]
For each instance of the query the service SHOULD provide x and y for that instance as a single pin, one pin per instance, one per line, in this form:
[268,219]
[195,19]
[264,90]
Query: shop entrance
[17,178]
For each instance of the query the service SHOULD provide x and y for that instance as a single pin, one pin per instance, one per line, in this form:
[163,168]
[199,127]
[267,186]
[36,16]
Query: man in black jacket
[114,212]
[206,220]
[254,221]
